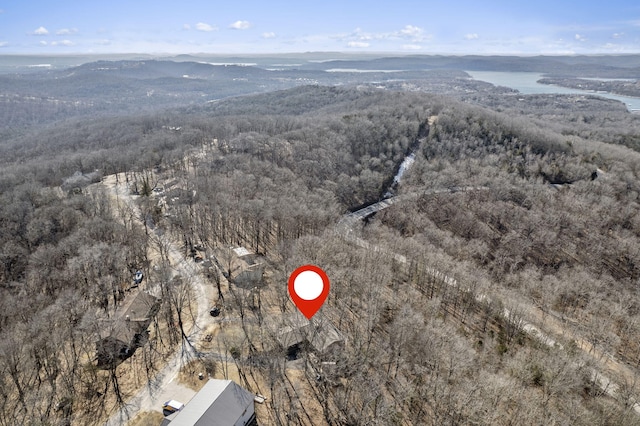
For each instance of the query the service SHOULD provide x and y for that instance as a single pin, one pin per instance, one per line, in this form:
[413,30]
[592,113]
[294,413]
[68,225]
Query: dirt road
[164,386]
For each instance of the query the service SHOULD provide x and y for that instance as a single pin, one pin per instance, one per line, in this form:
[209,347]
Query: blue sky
[401,26]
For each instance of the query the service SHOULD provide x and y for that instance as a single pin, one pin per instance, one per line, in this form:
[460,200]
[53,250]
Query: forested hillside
[434,297]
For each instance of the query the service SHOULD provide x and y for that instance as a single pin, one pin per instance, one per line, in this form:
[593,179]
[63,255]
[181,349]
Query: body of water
[527,84]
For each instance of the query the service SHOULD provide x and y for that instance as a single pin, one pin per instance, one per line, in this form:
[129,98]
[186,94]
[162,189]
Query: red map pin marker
[308,288]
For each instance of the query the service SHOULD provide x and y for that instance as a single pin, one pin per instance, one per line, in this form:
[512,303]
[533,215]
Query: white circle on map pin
[308,285]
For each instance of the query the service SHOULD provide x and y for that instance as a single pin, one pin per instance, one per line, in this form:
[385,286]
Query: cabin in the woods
[126,331]
[295,332]
[240,266]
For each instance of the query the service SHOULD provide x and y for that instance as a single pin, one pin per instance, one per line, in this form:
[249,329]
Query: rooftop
[219,403]
[132,317]
[295,328]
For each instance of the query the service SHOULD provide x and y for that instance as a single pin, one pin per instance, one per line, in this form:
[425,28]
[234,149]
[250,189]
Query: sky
[276,26]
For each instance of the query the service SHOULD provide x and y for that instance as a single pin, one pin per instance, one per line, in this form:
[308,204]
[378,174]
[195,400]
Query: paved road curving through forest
[345,228]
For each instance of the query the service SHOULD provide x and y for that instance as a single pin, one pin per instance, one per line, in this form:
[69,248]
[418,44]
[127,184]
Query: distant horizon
[460,27]
[377,54]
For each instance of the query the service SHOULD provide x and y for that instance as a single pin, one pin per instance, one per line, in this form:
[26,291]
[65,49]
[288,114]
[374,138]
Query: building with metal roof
[219,403]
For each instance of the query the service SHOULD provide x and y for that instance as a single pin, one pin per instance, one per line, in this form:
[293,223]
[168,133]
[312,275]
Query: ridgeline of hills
[37,90]
[127,86]
[613,66]
[586,66]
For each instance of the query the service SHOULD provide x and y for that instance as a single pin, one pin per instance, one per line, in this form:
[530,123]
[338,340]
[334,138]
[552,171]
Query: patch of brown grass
[147,418]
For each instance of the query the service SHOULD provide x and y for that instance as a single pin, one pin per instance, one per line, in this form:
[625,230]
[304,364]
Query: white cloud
[186,27]
[617,35]
[201,26]
[411,31]
[360,35]
[580,38]
[40,31]
[67,31]
[62,43]
[269,35]
[104,42]
[410,35]
[4,43]
[358,44]
[473,36]
[240,25]
[57,43]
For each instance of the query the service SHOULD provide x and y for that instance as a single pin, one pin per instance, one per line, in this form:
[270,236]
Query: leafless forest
[500,287]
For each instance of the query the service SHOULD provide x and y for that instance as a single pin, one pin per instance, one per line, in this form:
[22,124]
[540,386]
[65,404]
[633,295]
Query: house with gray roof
[240,266]
[219,403]
[319,333]
[127,330]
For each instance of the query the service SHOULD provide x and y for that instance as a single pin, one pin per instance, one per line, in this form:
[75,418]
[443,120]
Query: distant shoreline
[616,87]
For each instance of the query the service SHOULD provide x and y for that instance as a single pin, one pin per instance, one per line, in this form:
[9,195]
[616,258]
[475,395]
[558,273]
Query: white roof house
[219,403]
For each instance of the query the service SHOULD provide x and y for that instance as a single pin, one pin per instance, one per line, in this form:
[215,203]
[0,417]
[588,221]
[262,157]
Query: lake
[527,84]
